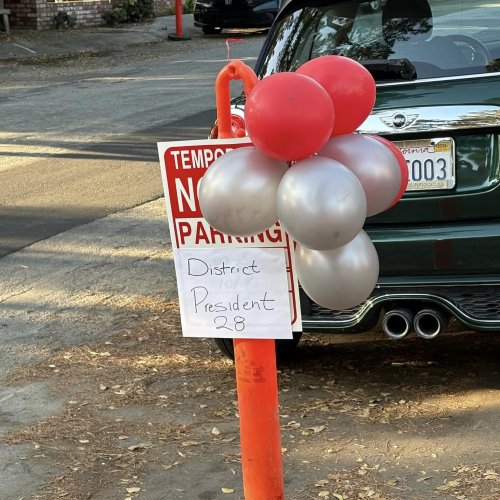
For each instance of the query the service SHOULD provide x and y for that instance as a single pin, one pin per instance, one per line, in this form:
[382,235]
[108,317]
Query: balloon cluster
[312,173]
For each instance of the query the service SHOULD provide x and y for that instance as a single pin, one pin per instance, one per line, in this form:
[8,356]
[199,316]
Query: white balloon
[321,203]
[237,194]
[340,278]
[374,165]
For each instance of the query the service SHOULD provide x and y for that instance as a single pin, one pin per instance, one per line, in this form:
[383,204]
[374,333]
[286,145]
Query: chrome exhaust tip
[397,323]
[429,323]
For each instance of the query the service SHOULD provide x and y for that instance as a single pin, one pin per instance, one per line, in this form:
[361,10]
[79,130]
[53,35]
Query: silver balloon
[340,278]
[374,165]
[237,194]
[321,203]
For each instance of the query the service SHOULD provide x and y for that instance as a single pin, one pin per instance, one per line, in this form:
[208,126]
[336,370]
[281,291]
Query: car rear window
[440,38]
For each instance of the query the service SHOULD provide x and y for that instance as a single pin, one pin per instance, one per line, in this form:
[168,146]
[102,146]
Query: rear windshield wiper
[390,69]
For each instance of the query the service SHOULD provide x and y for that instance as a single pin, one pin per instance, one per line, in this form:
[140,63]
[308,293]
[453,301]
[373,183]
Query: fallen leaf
[190,443]
[169,466]
[338,496]
[133,489]
[227,490]
[103,387]
[83,441]
[324,494]
[140,446]
[215,431]
[318,428]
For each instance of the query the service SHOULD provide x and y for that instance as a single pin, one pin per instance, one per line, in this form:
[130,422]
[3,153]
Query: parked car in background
[437,69]
[212,16]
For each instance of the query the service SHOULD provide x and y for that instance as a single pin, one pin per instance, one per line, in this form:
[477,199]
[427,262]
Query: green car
[437,68]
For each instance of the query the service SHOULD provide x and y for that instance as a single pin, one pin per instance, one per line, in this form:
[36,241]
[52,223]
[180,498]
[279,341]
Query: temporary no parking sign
[183,164]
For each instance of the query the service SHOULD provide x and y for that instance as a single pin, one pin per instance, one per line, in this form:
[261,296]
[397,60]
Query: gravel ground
[103,398]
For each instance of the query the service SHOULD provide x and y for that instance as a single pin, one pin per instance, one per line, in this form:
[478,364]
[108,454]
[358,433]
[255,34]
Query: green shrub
[130,11]
[64,20]
[188,7]
[114,16]
[139,10]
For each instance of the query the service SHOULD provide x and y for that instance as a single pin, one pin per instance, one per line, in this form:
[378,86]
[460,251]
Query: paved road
[76,148]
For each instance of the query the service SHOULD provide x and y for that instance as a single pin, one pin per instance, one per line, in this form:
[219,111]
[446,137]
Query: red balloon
[402,165]
[349,84]
[289,116]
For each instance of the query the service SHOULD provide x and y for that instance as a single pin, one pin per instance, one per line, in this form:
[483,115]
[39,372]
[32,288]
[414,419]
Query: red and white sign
[183,164]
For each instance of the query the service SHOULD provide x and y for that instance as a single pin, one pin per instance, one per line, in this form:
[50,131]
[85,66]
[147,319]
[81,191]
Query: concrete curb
[33,46]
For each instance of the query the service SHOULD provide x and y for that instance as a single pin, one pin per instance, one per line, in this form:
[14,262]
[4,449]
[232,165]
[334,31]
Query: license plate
[431,163]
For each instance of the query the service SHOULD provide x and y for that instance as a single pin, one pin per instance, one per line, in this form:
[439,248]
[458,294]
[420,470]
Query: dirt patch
[151,415]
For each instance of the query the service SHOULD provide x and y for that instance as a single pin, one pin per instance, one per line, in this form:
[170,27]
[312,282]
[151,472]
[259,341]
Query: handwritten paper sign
[234,293]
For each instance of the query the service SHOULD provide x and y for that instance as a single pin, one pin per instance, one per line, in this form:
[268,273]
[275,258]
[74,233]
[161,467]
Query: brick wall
[87,12]
[39,14]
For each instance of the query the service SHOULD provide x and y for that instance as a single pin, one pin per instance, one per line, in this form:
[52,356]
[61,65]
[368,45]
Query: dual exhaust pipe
[427,323]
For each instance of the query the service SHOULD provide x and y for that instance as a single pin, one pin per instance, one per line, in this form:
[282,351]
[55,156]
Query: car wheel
[284,348]
[211,30]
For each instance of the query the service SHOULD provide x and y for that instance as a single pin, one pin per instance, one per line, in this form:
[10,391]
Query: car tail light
[237,127]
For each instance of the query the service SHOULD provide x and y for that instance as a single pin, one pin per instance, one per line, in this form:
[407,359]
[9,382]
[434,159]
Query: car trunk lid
[465,110]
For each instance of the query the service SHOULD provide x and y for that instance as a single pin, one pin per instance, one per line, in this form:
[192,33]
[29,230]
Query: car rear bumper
[452,268]
[475,305]
[242,18]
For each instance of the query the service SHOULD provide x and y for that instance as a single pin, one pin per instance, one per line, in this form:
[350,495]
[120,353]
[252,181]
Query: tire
[211,30]
[284,348]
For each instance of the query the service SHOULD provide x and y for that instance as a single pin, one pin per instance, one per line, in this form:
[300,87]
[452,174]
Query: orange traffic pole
[179,35]
[233,70]
[255,359]
[257,386]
